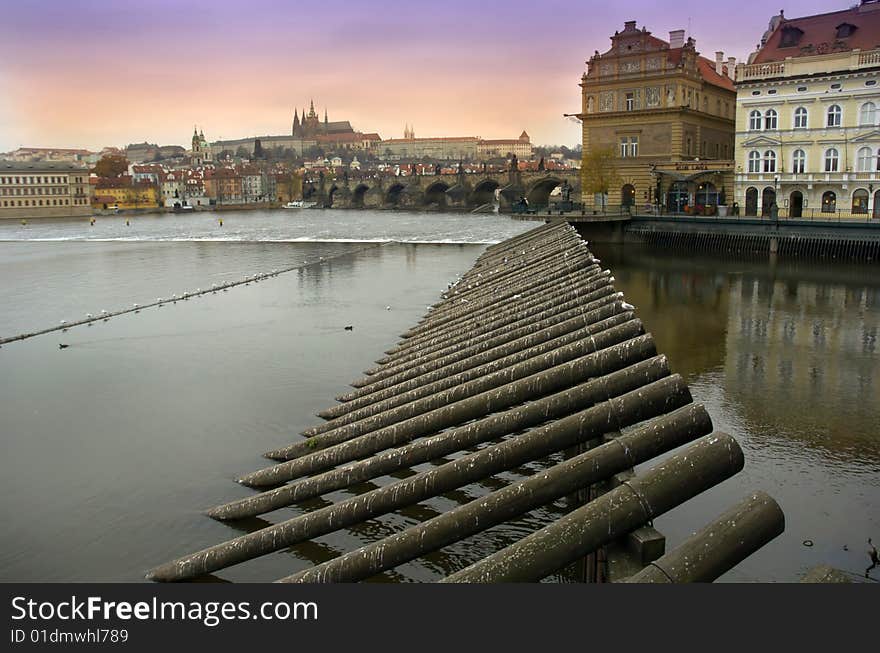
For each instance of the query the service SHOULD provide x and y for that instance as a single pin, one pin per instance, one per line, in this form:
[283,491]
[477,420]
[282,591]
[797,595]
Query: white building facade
[808,118]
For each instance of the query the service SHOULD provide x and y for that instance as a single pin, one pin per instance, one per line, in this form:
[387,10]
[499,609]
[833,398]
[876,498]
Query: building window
[769,161]
[751,201]
[633,145]
[630,102]
[798,162]
[835,116]
[754,161]
[860,201]
[800,118]
[865,160]
[770,119]
[832,159]
[790,36]
[845,30]
[755,120]
[829,202]
[868,114]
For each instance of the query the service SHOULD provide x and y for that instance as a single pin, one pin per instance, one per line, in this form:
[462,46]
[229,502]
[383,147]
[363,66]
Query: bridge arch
[393,194]
[484,192]
[538,194]
[436,194]
[330,195]
[357,198]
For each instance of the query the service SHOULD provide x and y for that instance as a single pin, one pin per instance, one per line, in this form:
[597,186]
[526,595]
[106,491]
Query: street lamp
[774,209]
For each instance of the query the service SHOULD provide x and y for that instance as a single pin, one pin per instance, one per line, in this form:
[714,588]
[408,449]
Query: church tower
[295,129]
[196,147]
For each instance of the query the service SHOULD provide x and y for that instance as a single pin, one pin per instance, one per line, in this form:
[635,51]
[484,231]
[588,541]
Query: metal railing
[807,215]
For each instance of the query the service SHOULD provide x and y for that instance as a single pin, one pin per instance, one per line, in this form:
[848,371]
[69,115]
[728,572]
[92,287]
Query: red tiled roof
[673,56]
[123,181]
[820,34]
[707,72]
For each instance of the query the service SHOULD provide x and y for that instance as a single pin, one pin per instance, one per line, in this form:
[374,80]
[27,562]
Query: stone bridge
[461,191]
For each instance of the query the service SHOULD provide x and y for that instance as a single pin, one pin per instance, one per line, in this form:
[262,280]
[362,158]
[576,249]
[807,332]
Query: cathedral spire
[325,116]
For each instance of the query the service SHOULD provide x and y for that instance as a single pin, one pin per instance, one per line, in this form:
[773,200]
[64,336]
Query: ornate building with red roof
[668,115]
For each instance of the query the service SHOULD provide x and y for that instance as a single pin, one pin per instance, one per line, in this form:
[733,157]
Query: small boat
[299,204]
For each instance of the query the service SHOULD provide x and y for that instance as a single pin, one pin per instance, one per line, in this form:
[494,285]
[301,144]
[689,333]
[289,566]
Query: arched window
[755,120]
[865,159]
[754,161]
[868,114]
[832,159]
[860,201]
[798,162]
[769,161]
[800,118]
[829,202]
[771,119]
[835,115]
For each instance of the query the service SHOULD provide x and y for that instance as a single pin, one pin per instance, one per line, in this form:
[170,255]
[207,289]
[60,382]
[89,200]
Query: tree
[599,171]
[111,166]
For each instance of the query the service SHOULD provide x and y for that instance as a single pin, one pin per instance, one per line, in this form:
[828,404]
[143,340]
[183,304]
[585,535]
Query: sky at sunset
[91,73]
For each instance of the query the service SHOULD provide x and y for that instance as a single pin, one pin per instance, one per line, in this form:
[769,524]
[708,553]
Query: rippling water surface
[113,446]
[785,357]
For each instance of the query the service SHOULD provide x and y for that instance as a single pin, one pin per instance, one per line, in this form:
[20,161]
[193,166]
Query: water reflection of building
[799,351]
[683,308]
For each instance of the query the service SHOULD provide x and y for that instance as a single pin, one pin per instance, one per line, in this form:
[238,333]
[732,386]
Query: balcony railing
[870,58]
[798,66]
[759,70]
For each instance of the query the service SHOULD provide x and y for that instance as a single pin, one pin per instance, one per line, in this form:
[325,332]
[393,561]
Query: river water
[112,447]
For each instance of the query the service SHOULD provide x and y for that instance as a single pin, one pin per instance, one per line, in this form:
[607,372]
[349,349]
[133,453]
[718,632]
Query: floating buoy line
[105,315]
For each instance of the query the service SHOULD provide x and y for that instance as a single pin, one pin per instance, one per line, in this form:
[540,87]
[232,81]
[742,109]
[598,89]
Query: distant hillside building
[668,115]
[43,189]
[503,148]
[453,148]
[808,116]
[48,154]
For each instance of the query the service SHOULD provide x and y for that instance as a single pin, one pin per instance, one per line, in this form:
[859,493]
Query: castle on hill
[306,132]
